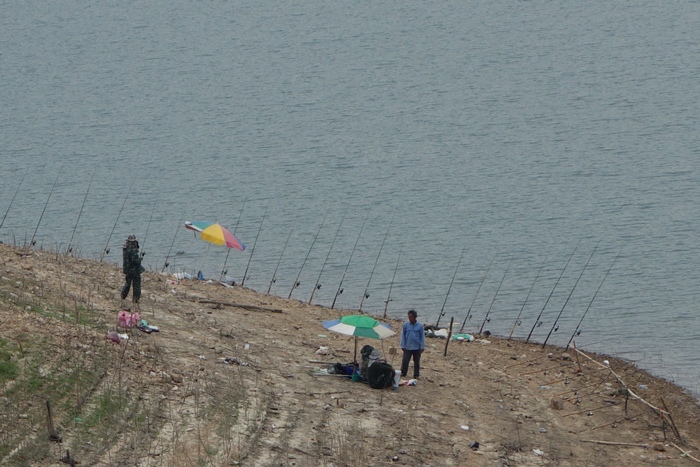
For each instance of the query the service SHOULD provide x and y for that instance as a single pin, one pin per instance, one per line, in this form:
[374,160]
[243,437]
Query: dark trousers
[407,354]
[134,279]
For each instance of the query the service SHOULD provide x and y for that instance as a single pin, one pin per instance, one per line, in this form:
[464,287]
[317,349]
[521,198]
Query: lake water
[520,133]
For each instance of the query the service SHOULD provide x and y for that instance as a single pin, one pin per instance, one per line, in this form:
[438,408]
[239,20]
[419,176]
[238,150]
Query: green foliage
[8,367]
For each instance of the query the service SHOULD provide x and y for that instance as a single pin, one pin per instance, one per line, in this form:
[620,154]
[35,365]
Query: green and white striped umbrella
[359,326]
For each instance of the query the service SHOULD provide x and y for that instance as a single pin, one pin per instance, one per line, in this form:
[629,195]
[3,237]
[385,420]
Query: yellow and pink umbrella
[215,233]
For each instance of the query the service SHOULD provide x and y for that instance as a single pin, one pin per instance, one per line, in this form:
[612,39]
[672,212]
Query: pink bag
[123,319]
[134,320]
[128,320]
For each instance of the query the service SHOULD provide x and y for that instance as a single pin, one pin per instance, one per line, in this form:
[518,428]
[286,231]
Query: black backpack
[380,375]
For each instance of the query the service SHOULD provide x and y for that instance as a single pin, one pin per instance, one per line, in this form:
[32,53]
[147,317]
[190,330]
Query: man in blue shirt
[412,344]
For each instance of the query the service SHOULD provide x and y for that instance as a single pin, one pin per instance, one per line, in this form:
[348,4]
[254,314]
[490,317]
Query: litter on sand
[462,337]
[147,328]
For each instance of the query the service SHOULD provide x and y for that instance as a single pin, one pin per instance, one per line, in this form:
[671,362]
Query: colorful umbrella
[359,326]
[215,234]
[219,235]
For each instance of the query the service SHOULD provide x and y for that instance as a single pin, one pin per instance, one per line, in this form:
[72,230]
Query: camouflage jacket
[132,260]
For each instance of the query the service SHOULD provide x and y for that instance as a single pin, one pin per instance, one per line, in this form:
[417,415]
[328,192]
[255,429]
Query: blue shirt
[412,336]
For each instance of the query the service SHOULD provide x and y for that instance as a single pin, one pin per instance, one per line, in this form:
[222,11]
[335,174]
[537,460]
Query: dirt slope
[168,398]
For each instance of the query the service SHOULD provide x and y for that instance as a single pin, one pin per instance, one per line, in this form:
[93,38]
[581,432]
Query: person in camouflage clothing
[132,270]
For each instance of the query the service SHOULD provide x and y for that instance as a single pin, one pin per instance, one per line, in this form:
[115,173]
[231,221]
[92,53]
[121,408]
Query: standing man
[132,270]
[412,344]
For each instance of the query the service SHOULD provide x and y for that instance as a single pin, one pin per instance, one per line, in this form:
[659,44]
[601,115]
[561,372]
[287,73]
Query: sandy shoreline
[167,398]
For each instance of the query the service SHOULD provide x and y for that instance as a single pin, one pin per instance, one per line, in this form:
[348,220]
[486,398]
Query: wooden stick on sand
[613,443]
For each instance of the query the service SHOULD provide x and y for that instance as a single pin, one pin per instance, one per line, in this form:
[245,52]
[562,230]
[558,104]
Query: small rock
[557,403]
[566,357]
[659,447]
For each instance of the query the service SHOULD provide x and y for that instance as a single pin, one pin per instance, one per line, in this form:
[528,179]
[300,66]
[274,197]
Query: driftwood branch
[241,305]
[622,383]
[685,453]
[613,443]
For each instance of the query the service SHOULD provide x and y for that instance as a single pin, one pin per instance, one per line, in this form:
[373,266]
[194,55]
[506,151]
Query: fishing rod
[252,252]
[391,285]
[517,318]
[274,274]
[340,290]
[13,198]
[148,227]
[166,264]
[33,241]
[537,321]
[70,244]
[296,281]
[576,331]
[554,326]
[105,250]
[224,271]
[442,310]
[469,312]
[318,281]
[366,294]
[486,318]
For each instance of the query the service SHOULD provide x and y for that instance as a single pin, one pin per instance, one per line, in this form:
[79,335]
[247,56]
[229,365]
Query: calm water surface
[520,132]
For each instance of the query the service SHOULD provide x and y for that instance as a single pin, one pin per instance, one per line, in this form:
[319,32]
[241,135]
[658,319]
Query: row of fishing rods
[317,286]
[538,321]
[69,248]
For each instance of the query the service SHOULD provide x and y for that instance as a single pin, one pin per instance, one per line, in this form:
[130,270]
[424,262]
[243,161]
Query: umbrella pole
[354,357]
[205,257]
